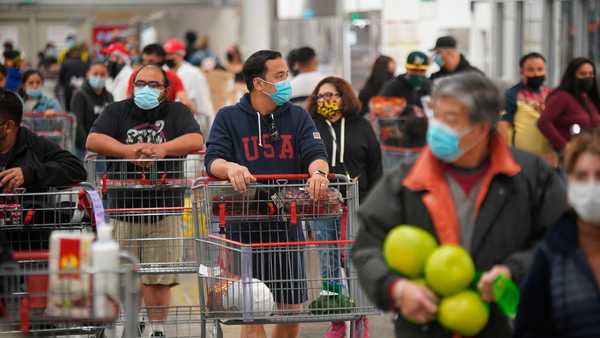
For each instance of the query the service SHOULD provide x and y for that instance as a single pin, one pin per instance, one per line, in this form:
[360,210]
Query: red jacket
[561,113]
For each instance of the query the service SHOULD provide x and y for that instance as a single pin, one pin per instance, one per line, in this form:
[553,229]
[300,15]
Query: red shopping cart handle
[266,177]
[51,114]
[403,149]
[31,255]
[263,177]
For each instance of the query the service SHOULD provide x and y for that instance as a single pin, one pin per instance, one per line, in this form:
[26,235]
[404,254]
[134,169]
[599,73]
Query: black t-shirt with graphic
[128,124]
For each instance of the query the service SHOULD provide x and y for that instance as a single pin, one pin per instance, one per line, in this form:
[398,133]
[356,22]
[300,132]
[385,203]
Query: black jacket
[400,87]
[44,163]
[71,68]
[362,153]
[463,66]
[369,90]
[87,106]
[560,297]
[522,201]
[414,125]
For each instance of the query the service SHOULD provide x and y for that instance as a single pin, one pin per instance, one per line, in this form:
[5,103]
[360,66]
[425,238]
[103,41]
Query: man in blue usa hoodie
[265,134]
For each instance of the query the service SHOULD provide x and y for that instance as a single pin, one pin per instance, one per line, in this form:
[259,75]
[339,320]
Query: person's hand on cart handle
[239,176]
[415,302]
[487,279]
[11,179]
[50,113]
[318,185]
[133,151]
[156,151]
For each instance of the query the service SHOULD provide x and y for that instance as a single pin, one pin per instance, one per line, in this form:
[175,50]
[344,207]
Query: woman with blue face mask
[88,102]
[560,296]
[32,93]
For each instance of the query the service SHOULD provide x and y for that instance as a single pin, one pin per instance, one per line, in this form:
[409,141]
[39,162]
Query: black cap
[445,42]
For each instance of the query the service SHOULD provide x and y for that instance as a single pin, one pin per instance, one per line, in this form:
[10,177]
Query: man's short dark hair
[532,55]
[155,49]
[11,106]
[304,55]
[256,65]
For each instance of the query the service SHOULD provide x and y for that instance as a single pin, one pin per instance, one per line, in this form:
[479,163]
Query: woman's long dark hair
[350,103]
[568,83]
[380,74]
[29,73]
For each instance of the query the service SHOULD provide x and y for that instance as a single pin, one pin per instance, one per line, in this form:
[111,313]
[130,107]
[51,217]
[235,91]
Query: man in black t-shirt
[147,126]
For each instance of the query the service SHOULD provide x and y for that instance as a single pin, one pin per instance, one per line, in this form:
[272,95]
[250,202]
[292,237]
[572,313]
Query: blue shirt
[45,103]
[13,78]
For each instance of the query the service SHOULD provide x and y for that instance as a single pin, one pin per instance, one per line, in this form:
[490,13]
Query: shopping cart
[28,294]
[26,222]
[149,203]
[60,128]
[274,245]
[28,218]
[399,127]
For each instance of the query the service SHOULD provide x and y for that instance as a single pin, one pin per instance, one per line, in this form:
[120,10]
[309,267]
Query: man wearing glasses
[148,126]
[154,54]
[265,134]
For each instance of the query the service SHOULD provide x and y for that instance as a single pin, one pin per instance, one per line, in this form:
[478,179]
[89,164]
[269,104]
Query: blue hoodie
[234,137]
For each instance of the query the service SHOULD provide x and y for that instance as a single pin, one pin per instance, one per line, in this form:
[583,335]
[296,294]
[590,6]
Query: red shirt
[175,86]
[466,179]
[562,112]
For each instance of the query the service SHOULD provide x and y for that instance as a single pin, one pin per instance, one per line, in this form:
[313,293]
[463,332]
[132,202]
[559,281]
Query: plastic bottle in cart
[105,262]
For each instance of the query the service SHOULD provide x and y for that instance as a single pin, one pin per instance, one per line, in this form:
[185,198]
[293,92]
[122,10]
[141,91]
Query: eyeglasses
[326,96]
[274,131]
[151,84]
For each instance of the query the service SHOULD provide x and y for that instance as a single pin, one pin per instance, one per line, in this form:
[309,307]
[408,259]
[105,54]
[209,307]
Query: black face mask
[170,63]
[114,68]
[535,82]
[584,84]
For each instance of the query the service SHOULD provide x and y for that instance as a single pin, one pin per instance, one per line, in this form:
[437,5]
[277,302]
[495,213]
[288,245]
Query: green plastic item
[507,295]
[505,291]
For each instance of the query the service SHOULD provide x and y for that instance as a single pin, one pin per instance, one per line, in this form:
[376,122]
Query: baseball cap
[116,47]
[445,42]
[417,61]
[174,45]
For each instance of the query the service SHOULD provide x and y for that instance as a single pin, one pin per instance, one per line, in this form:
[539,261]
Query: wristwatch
[320,172]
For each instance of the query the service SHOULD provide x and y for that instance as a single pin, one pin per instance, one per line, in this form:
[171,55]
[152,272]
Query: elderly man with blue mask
[467,188]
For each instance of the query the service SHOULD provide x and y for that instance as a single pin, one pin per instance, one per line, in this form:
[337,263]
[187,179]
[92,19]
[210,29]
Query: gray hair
[478,93]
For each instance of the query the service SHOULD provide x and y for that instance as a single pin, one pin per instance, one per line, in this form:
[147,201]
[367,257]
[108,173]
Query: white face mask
[585,199]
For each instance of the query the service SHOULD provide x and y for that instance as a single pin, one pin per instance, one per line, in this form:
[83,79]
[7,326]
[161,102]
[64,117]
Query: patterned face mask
[328,108]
